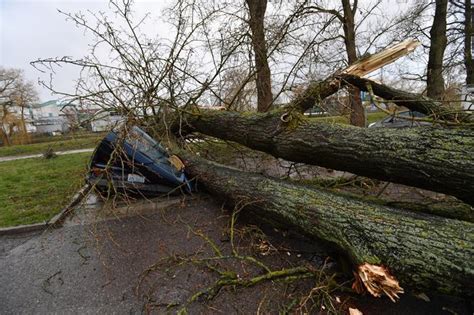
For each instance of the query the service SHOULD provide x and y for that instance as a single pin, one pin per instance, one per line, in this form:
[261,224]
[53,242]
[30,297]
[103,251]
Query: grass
[57,145]
[371,117]
[34,190]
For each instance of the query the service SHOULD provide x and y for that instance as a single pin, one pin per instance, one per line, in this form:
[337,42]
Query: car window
[411,114]
[388,119]
[140,141]
[418,114]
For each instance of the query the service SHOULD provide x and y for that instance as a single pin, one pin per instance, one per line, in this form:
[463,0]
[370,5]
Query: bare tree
[257,10]
[236,92]
[16,95]
[345,18]
[357,117]
[146,77]
[463,32]
[468,34]
[435,81]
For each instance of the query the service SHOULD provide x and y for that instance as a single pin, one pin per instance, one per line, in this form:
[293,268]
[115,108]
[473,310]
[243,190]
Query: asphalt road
[94,266]
[89,268]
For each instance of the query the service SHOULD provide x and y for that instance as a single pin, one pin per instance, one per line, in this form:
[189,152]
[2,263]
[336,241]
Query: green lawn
[57,145]
[371,117]
[34,190]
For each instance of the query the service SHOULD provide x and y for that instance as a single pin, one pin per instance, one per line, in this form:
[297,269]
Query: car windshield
[411,114]
[405,114]
[140,141]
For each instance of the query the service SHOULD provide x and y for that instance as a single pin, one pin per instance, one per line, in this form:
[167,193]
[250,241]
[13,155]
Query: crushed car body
[134,162]
[403,119]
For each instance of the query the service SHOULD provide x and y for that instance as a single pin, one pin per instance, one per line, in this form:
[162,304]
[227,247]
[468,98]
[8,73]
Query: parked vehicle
[316,111]
[467,98]
[136,163]
[403,119]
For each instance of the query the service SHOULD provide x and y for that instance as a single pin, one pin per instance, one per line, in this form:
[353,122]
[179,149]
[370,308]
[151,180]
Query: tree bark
[468,33]
[257,10]
[422,252]
[357,116]
[4,124]
[438,39]
[412,101]
[315,92]
[319,90]
[440,160]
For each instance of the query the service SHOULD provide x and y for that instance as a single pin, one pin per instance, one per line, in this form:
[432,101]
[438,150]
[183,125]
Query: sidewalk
[21,157]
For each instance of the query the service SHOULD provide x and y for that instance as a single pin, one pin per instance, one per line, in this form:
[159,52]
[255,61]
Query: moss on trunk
[437,159]
[423,252]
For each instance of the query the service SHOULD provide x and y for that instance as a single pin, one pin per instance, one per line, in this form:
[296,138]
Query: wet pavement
[96,264]
[93,266]
[86,267]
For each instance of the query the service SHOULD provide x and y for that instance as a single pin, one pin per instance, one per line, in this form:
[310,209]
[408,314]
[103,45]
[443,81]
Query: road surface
[94,264]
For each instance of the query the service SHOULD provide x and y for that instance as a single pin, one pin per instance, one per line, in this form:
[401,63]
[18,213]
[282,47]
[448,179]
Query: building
[22,113]
[54,117]
[105,121]
[48,117]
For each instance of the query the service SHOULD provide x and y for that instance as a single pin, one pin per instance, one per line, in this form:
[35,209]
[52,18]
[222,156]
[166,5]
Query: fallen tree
[436,159]
[319,90]
[413,101]
[423,252]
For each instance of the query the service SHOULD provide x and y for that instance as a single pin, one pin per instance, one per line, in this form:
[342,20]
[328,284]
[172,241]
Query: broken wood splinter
[376,280]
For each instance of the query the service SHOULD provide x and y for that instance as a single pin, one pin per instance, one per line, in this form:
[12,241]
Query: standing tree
[15,96]
[468,33]
[464,28]
[257,10]
[346,18]
[438,39]
[357,117]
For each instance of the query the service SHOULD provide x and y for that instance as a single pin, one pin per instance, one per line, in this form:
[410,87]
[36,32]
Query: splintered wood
[377,281]
[354,311]
[378,60]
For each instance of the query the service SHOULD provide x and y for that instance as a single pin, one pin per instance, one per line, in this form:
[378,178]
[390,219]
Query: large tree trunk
[435,81]
[412,101]
[357,116]
[423,252]
[436,159]
[319,90]
[468,33]
[4,125]
[257,10]
[315,92]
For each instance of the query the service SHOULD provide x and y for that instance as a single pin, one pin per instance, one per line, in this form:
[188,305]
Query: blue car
[404,119]
[136,163]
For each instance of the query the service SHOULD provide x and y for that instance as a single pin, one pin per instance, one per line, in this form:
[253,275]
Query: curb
[55,221]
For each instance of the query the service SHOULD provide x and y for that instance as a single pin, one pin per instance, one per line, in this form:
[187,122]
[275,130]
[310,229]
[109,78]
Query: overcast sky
[32,29]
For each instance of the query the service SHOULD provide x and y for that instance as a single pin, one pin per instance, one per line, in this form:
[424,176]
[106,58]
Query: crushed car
[134,162]
[403,119]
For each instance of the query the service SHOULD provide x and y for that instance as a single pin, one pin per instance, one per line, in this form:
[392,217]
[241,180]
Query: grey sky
[32,29]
